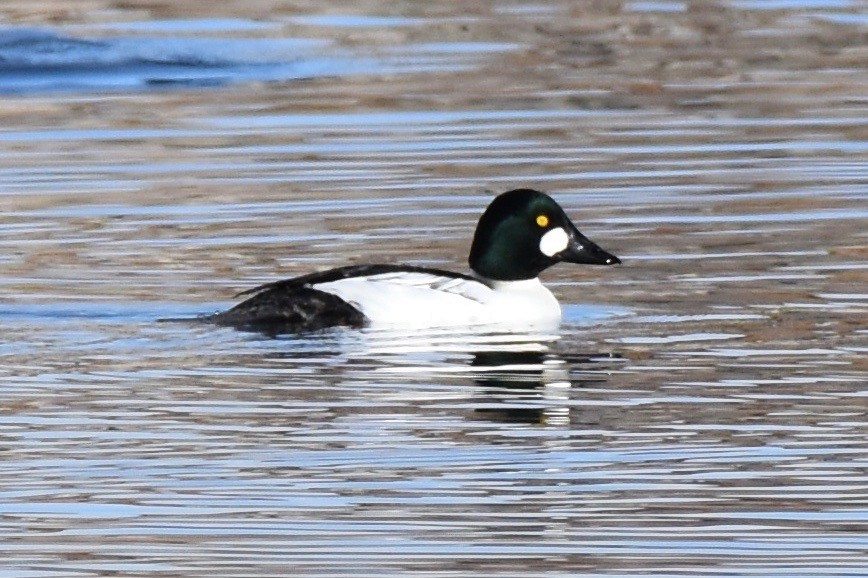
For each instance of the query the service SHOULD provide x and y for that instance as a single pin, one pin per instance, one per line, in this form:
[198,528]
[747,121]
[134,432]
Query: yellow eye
[542,221]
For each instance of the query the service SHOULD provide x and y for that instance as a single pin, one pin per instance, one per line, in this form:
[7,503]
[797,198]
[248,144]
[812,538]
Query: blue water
[197,54]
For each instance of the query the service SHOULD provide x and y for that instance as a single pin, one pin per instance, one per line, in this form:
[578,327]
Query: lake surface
[702,410]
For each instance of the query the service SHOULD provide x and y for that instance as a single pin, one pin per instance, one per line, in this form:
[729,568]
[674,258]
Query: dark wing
[289,309]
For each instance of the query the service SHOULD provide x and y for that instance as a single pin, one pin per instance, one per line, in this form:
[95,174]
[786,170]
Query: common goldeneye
[521,233]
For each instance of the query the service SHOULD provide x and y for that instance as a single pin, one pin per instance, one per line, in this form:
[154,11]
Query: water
[177,54]
[702,410]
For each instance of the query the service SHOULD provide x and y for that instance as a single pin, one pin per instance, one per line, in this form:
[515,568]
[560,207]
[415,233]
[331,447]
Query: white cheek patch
[554,242]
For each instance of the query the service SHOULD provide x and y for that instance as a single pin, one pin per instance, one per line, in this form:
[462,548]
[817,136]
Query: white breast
[414,299]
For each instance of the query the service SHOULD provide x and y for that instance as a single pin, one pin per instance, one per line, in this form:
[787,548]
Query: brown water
[702,412]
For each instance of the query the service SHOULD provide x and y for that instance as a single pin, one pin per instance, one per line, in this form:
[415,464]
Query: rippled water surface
[702,410]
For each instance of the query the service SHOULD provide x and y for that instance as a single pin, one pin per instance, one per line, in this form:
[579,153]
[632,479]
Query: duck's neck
[518,285]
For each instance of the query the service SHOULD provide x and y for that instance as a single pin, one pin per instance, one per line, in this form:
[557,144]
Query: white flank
[411,299]
[554,242]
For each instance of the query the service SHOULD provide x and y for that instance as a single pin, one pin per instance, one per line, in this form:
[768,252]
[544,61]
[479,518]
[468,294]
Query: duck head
[523,232]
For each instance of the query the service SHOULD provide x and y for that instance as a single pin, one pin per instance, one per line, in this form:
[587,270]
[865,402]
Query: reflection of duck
[534,386]
[504,377]
[521,233]
[520,377]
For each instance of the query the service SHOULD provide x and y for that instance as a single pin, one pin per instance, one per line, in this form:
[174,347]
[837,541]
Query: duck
[520,234]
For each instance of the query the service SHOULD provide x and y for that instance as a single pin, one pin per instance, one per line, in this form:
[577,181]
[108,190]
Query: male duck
[521,233]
